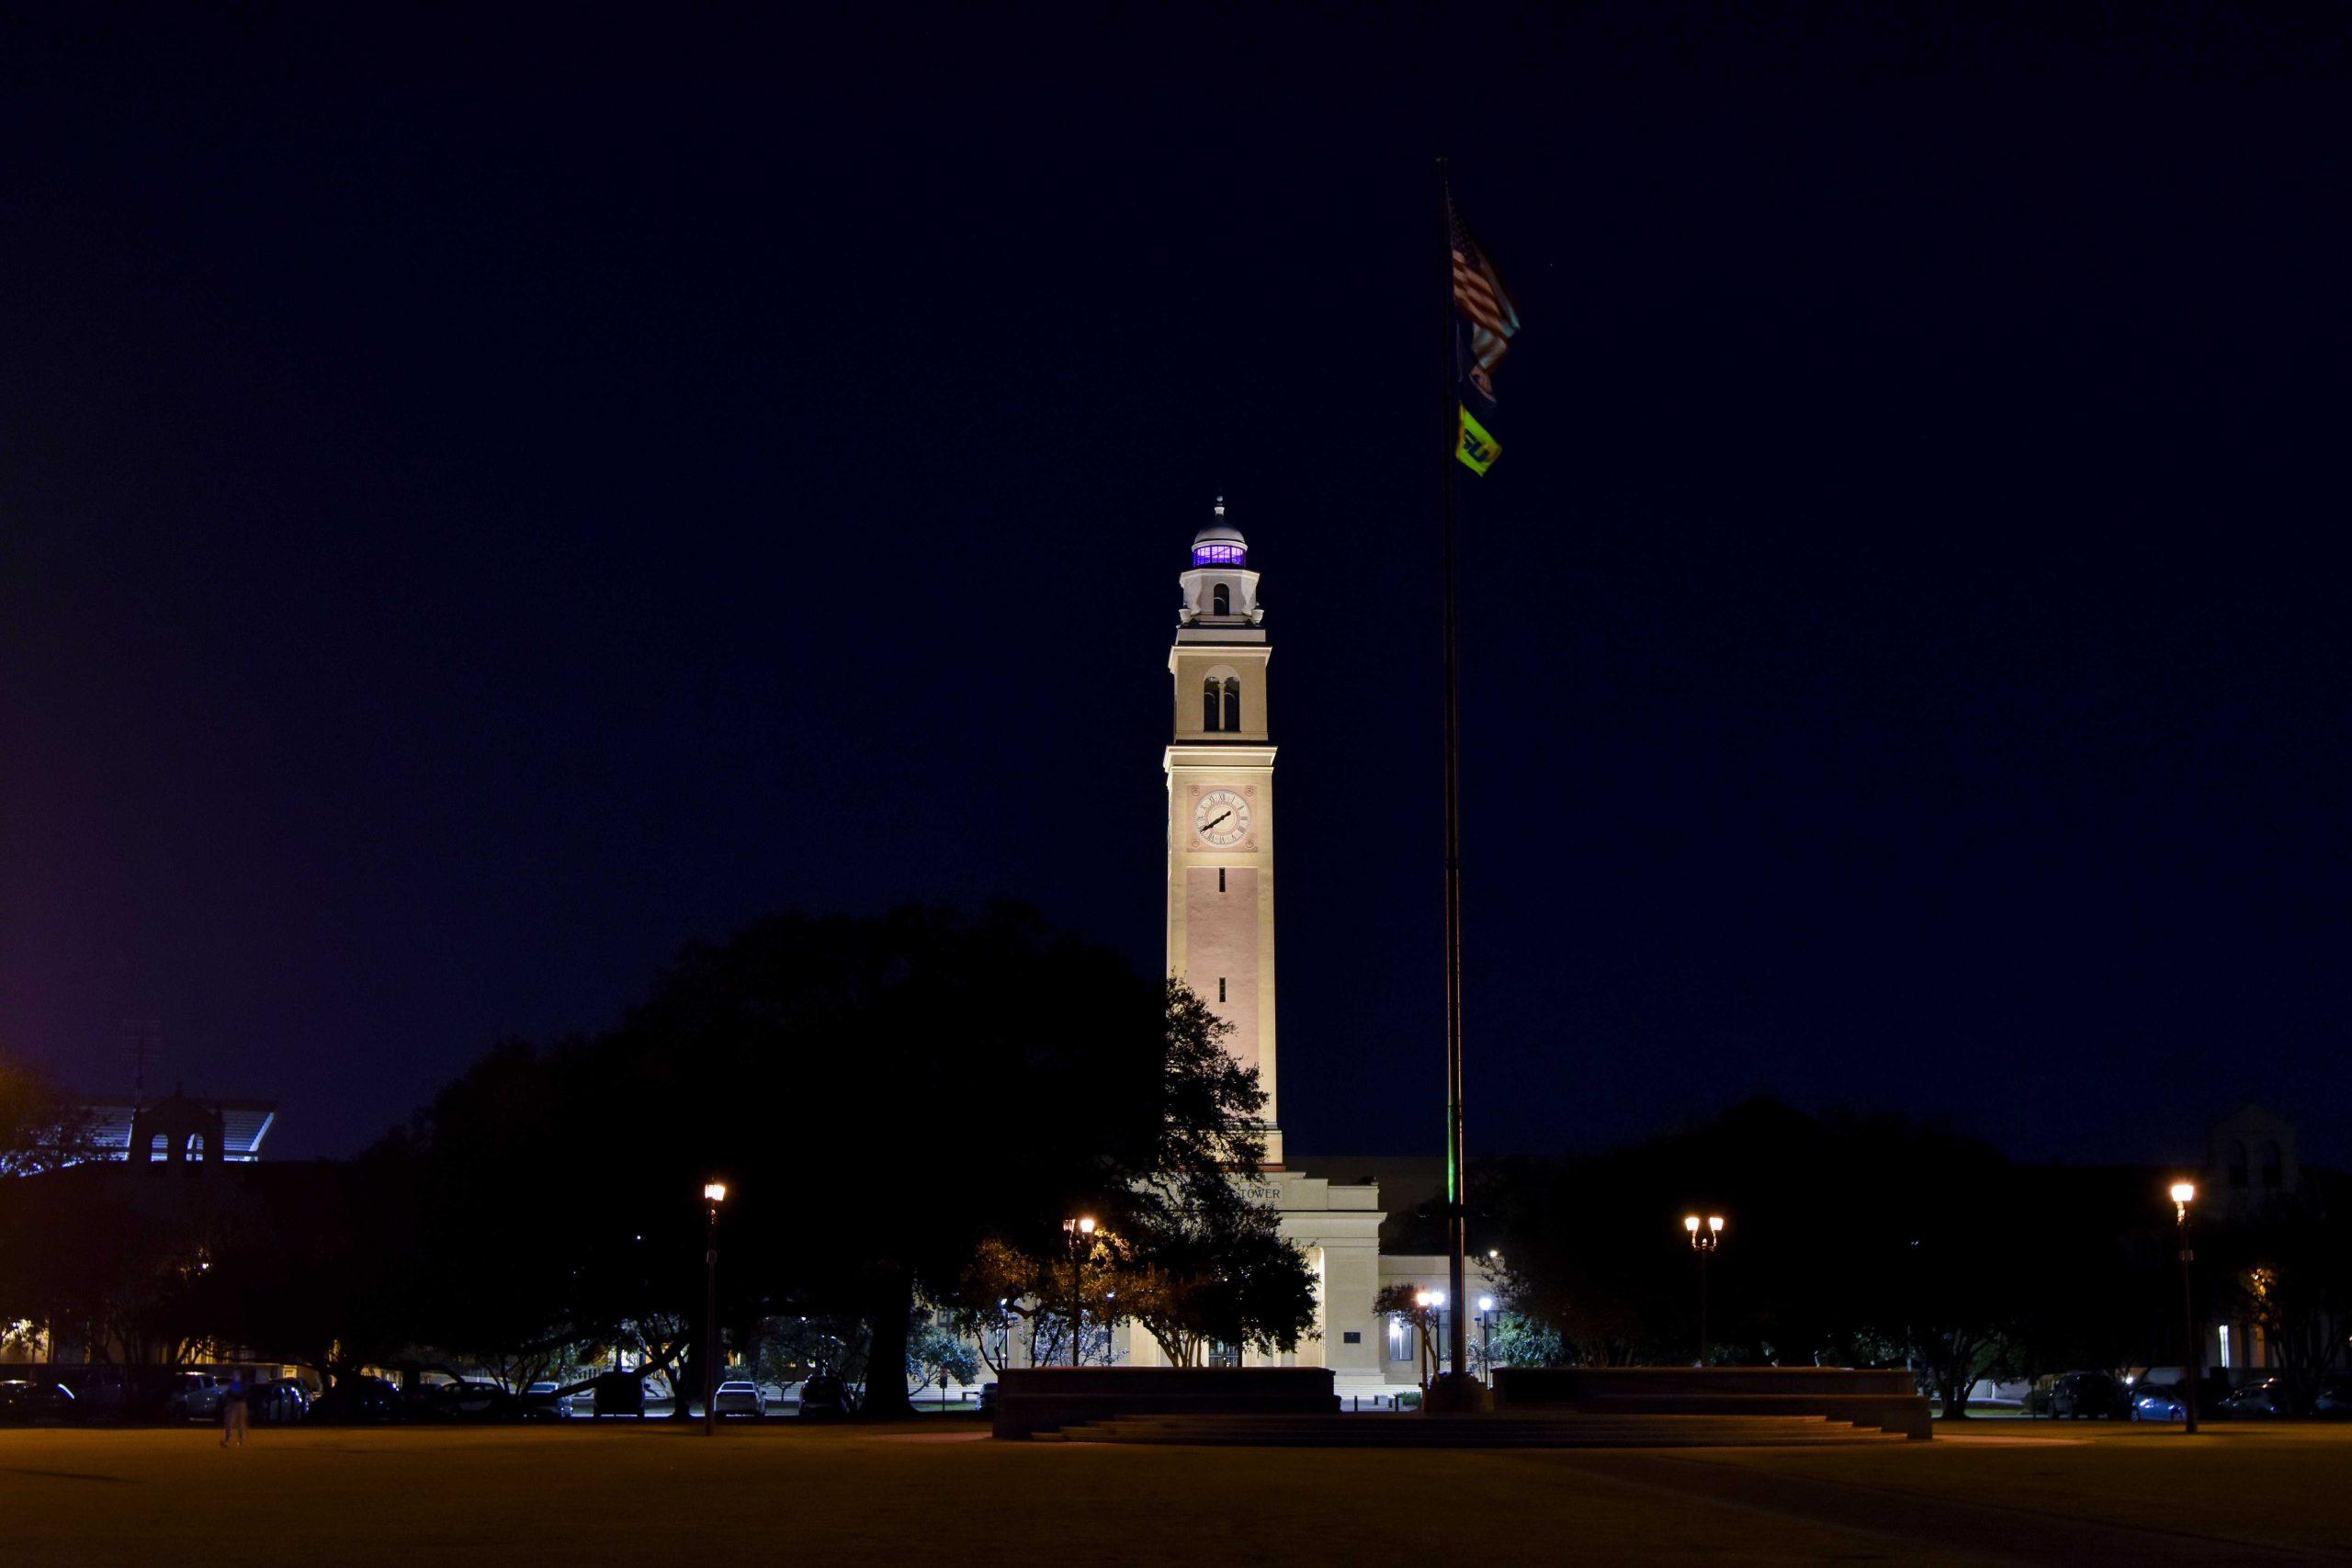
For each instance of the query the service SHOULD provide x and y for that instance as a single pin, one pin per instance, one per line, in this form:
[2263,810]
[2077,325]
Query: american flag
[1478,294]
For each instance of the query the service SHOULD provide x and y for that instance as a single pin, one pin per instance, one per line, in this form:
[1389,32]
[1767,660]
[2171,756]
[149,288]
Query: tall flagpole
[1456,1217]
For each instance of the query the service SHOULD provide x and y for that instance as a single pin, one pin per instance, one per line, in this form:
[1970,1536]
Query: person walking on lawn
[233,1412]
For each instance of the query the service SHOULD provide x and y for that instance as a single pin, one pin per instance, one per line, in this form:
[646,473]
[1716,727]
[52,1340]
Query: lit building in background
[178,1130]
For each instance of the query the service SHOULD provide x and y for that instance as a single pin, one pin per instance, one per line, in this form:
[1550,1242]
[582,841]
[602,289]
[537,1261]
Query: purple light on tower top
[1220,544]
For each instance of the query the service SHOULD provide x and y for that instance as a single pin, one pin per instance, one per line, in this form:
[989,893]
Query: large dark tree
[813,1063]
[2287,1268]
[500,1240]
[330,1272]
[1851,1240]
[40,1128]
[1194,1244]
[1188,1244]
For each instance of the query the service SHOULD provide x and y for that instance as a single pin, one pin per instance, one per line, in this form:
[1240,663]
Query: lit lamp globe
[2184,1193]
[714,1193]
[1220,544]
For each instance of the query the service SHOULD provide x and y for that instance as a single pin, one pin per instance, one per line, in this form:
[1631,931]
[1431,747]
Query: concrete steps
[1559,1430]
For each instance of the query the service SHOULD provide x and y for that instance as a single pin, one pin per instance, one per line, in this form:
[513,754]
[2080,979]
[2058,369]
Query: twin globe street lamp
[1429,1301]
[1081,1231]
[1705,1236]
[714,1193]
[2184,1193]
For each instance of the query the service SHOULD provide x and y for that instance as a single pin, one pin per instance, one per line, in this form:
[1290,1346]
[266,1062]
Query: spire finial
[1221,506]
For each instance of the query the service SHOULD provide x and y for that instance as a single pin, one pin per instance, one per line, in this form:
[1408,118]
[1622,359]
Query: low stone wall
[1888,1400]
[1540,1387]
[1044,1399]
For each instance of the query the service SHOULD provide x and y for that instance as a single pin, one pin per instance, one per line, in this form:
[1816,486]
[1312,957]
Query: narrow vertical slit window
[1208,704]
[1220,987]
[1233,702]
[1220,879]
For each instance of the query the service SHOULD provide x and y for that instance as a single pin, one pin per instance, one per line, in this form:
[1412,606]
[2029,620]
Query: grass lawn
[514,1497]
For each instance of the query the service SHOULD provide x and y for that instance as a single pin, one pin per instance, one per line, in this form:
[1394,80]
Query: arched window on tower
[1208,704]
[1221,600]
[1233,702]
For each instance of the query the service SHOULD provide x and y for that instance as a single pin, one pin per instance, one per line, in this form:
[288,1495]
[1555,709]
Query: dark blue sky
[482,503]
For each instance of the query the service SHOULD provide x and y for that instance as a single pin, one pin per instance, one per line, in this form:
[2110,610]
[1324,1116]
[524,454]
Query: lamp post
[1486,1335]
[1081,1231]
[714,1193]
[1705,1236]
[2184,1193]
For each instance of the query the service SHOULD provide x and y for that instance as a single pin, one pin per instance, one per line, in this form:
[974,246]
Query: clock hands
[1214,820]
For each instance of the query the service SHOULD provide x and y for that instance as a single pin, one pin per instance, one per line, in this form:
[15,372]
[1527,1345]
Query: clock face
[1221,818]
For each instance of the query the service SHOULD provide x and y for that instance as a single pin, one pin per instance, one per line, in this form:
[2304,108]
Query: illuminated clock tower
[1220,771]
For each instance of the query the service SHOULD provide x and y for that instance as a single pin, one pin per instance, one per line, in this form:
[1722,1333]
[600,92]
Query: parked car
[108,1393]
[2335,1400]
[278,1401]
[739,1399]
[988,1398]
[2158,1402]
[2258,1401]
[822,1398]
[2077,1394]
[359,1400]
[542,1402]
[195,1396]
[465,1399]
[24,1401]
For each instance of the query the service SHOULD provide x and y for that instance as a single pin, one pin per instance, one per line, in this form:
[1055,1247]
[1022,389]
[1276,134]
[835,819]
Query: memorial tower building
[1220,769]
[1219,765]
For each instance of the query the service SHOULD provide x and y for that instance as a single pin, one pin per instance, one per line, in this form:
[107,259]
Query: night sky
[481,504]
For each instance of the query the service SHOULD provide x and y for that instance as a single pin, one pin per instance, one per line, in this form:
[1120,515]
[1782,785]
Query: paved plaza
[1999,1491]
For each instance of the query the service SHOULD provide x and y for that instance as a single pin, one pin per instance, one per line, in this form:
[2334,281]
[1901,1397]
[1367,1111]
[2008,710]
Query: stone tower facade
[1220,769]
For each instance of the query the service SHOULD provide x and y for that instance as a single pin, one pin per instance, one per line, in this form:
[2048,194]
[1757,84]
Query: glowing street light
[1431,1303]
[1486,1335]
[2183,1194]
[1081,1231]
[714,1193]
[1705,1236]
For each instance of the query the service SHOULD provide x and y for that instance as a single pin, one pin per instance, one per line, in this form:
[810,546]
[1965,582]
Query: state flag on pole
[1481,337]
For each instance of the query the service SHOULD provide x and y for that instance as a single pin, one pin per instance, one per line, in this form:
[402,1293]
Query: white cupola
[1220,590]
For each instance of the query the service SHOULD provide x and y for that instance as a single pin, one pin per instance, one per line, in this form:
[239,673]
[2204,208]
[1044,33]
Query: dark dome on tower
[1220,544]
